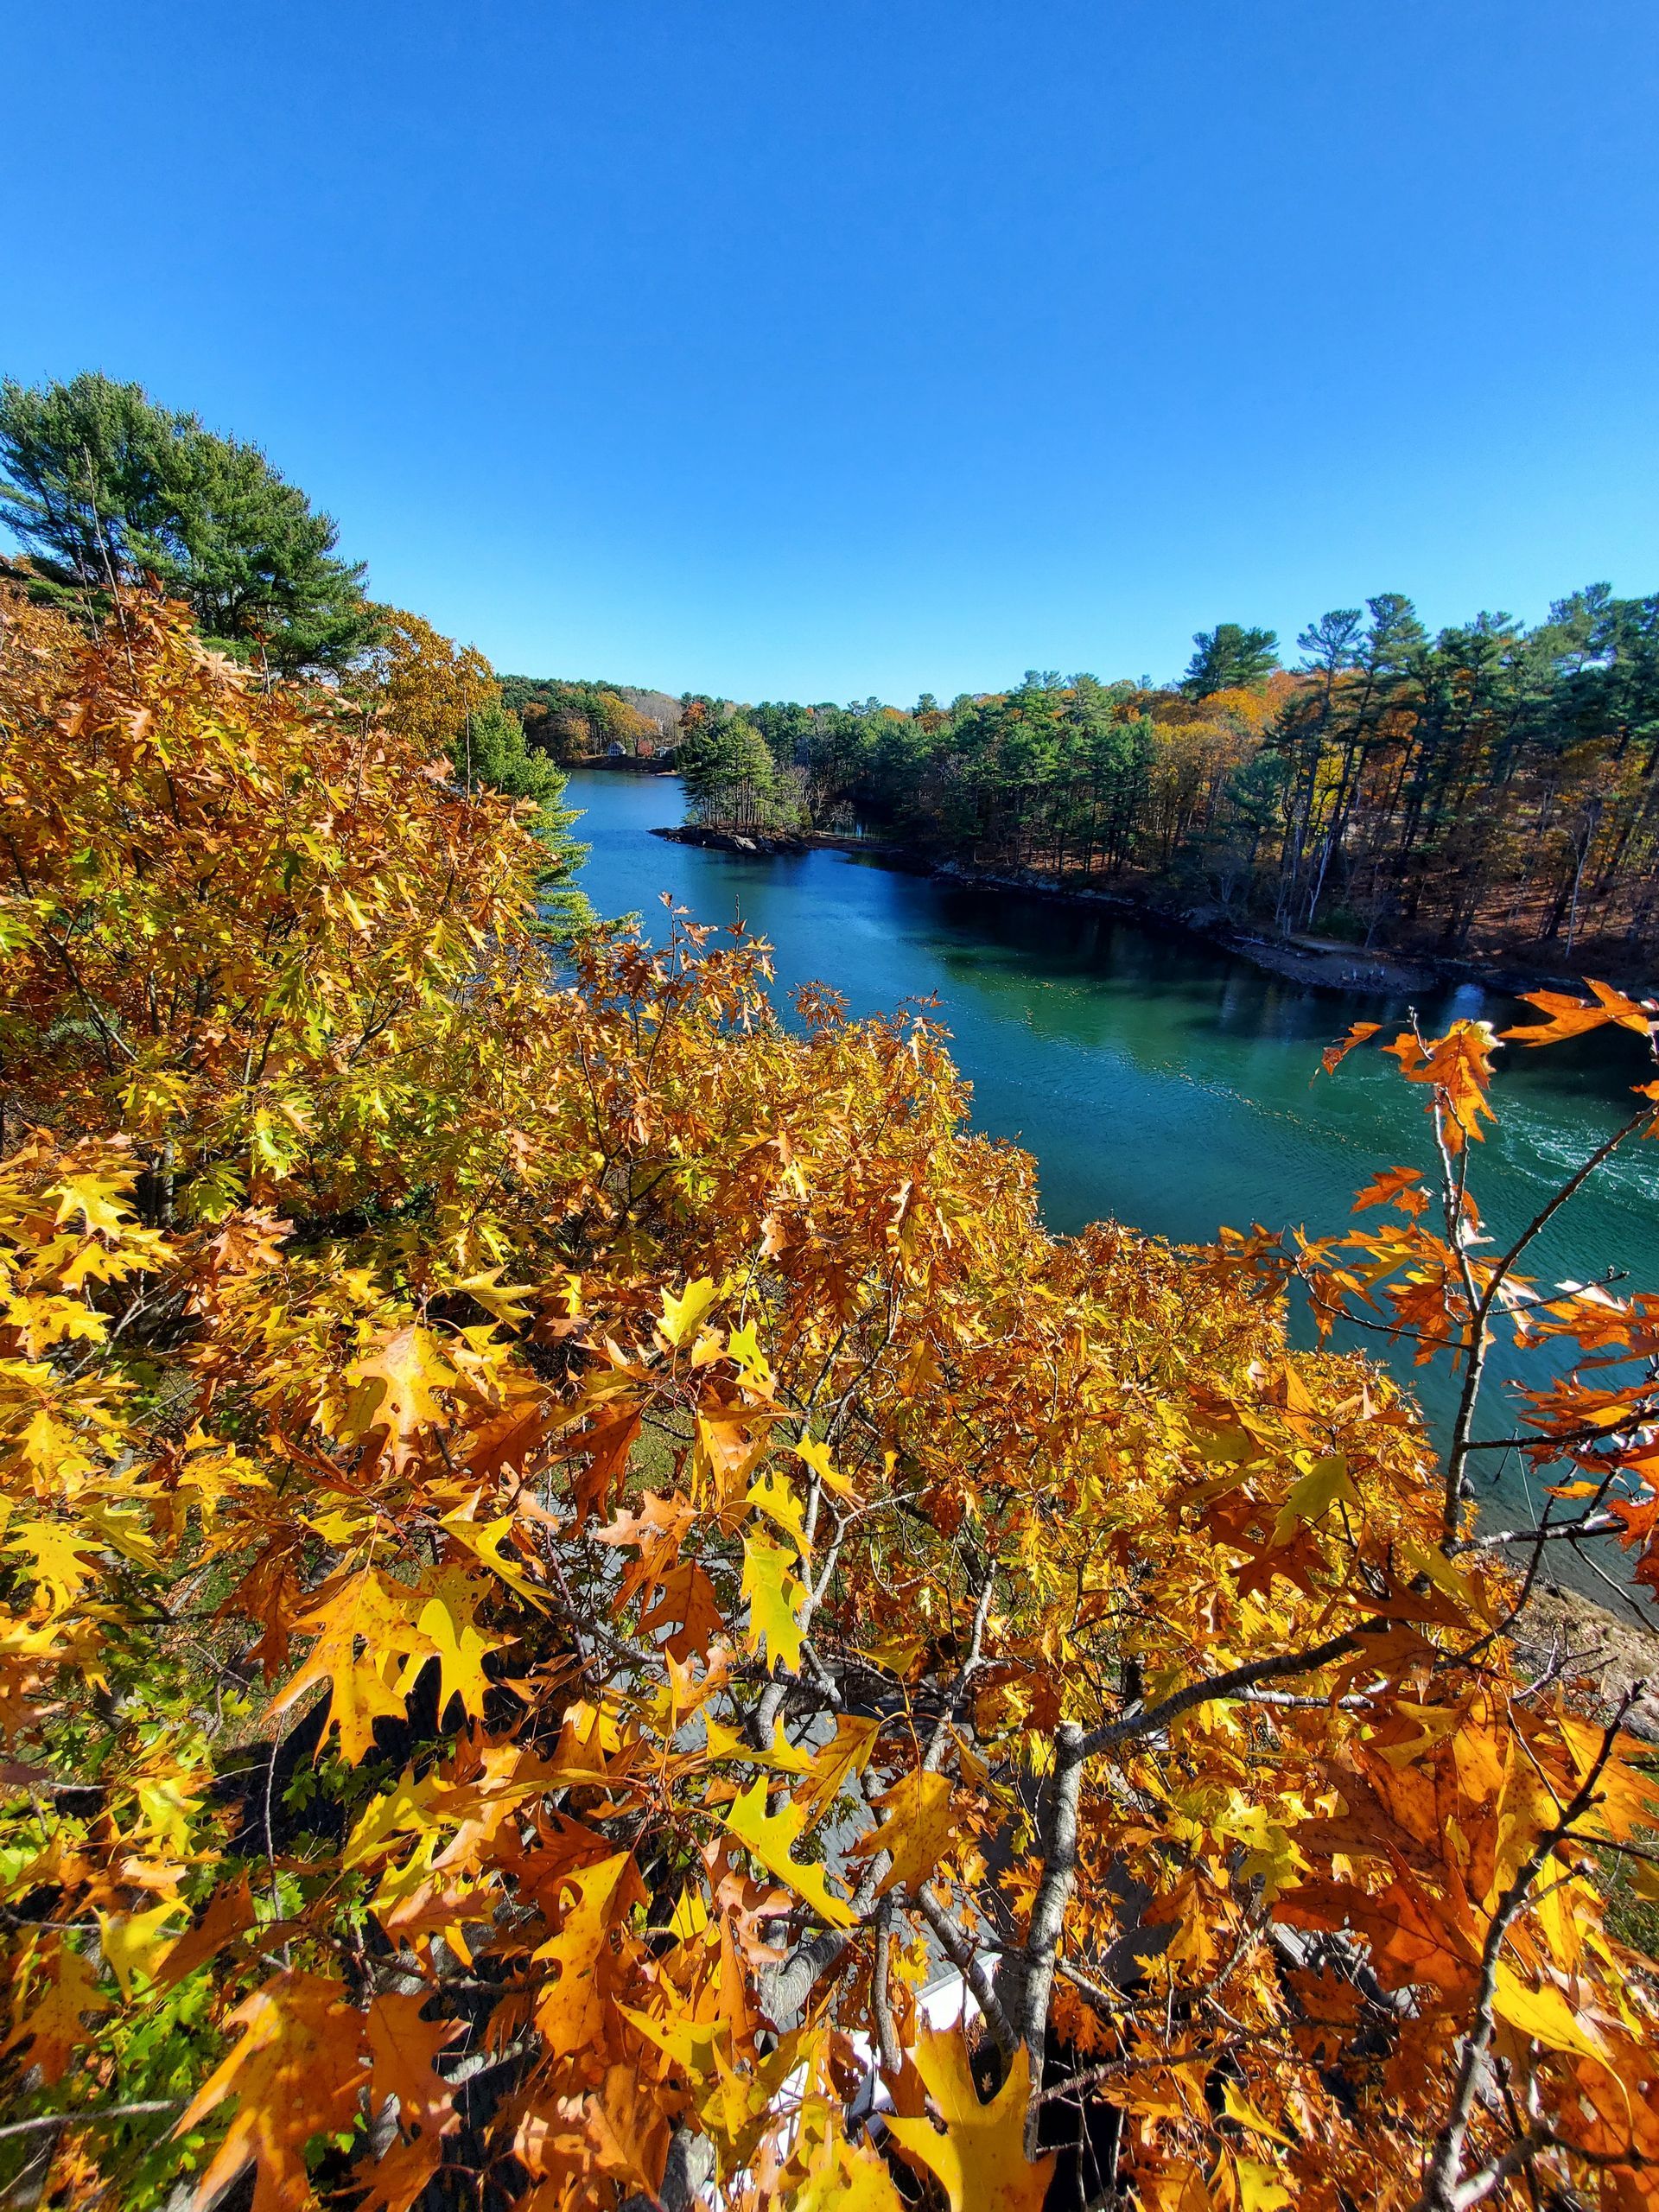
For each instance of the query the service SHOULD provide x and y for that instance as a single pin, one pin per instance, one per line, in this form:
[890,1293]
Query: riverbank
[1320,964]
[1575,1640]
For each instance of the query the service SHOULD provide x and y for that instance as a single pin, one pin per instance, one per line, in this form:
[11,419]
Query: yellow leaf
[484,1545]
[1238,2107]
[394,1389]
[1545,2015]
[773,1495]
[774,1594]
[847,1753]
[743,1349]
[90,1196]
[689,1916]
[133,1942]
[723,1743]
[980,2157]
[817,1456]
[681,1315]
[453,1638]
[366,1607]
[770,1836]
[849,2179]
[1260,2189]
[917,1829]
[1313,1497]
[56,1557]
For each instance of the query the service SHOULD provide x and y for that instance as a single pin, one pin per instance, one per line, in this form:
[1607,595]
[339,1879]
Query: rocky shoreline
[1320,964]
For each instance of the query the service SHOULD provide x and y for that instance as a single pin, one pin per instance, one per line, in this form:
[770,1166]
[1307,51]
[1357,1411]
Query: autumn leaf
[403,2048]
[686,1600]
[773,1496]
[362,1608]
[1311,1496]
[54,1556]
[294,2073]
[1333,1055]
[449,1633]
[817,1457]
[1399,1186]
[1545,2015]
[1460,1066]
[772,1837]
[850,2177]
[394,1390]
[981,2156]
[1571,1017]
[681,1315]
[836,1763]
[570,2011]
[917,1828]
[775,1596]
[133,1942]
[49,2025]
[628,2129]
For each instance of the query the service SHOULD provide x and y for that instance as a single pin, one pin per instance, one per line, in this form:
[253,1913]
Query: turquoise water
[1155,1078]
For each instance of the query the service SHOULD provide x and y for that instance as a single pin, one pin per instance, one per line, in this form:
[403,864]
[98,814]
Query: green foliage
[732,778]
[104,485]
[1229,655]
[497,755]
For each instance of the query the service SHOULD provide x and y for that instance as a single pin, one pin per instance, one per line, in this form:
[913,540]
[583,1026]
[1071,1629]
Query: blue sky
[819,347]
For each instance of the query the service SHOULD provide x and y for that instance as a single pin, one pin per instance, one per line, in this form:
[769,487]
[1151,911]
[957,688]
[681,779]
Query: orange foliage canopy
[570,1549]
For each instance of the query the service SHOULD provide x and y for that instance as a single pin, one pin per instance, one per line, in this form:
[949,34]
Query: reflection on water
[1156,1079]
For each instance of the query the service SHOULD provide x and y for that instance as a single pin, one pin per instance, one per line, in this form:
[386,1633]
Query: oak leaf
[771,1837]
[1571,1017]
[363,1607]
[51,2028]
[981,2156]
[916,1832]
[774,1593]
[294,2073]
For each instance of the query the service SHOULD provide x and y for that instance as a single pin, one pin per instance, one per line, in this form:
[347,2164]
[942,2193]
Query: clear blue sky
[819,347]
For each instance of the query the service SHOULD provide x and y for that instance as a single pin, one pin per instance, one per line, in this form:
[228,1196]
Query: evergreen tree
[1227,658]
[105,486]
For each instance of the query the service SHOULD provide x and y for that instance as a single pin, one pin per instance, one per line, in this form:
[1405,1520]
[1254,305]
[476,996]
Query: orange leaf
[295,2074]
[917,1830]
[1333,1055]
[1570,1017]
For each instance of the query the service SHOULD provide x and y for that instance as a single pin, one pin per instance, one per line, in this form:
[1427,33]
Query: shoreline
[1320,965]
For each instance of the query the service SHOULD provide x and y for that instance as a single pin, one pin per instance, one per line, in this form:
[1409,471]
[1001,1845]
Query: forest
[595,1614]
[1491,789]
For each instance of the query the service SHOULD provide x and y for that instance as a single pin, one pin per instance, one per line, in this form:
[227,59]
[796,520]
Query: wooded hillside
[1493,788]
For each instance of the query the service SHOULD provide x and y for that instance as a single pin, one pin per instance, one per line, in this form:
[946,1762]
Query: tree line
[1490,787]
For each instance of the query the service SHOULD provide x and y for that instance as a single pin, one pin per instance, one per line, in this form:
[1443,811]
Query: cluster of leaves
[569,1548]
[441,699]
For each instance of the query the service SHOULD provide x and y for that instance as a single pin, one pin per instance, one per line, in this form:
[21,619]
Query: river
[1157,1080]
